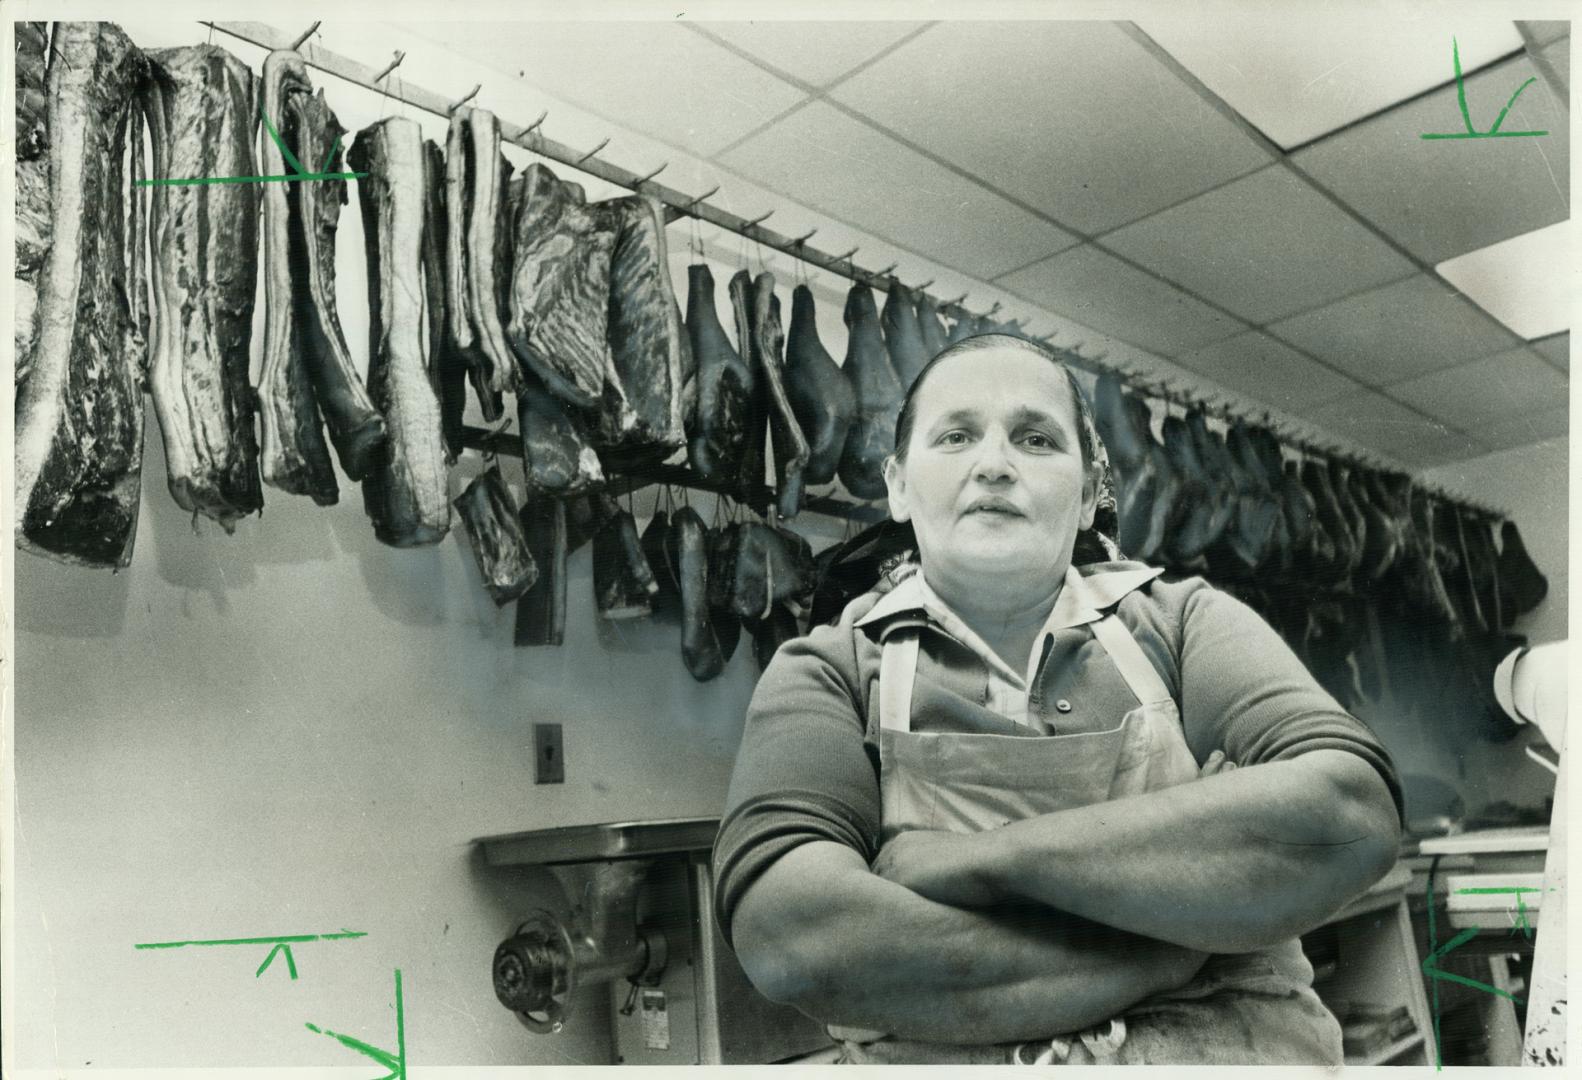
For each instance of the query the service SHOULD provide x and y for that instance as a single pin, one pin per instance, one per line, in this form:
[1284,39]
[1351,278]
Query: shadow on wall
[195,554]
[405,584]
[1458,756]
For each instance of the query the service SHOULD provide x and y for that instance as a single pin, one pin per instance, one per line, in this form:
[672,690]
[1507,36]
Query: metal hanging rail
[625,476]
[679,204]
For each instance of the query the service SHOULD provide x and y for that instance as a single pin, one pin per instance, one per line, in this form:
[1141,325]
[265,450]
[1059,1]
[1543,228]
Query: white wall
[296,730]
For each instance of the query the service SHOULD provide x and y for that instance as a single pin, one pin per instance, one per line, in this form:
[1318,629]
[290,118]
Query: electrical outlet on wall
[549,759]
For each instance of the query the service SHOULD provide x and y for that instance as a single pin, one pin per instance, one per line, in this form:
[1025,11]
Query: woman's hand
[1217,763]
[938,866]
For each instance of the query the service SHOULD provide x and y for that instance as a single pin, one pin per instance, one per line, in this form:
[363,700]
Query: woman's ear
[1090,496]
[895,481]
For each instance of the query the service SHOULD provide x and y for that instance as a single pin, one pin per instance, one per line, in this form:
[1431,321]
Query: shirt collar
[1084,596]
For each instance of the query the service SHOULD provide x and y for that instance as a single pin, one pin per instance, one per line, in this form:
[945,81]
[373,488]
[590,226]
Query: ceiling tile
[1074,118]
[1261,367]
[1444,197]
[1515,280]
[1099,291]
[1528,429]
[1297,78]
[1547,30]
[1435,448]
[1375,421]
[1485,392]
[814,51]
[655,77]
[1263,246]
[1396,332]
[1557,350]
[825,160]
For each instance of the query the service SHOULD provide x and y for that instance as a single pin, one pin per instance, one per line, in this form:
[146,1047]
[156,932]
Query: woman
[959,829]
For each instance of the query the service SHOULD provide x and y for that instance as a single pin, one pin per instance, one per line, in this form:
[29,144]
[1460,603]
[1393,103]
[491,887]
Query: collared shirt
[807,769]
[1081,599]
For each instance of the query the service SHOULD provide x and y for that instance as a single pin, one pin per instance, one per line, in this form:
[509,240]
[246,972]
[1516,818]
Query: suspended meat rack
[678,205]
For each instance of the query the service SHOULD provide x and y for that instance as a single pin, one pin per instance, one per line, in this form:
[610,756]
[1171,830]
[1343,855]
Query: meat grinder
[641,926]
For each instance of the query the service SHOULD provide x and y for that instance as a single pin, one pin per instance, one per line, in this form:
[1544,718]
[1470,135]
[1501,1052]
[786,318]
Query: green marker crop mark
[1437,952]
[282,945]
[395,1062]
[1520,925]
[298,173]
[1494,132]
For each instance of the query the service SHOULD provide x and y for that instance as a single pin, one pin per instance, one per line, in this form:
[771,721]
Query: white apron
[1254,1008]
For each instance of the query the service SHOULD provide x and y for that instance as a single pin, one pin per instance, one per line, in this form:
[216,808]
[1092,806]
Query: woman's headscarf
[1097,542]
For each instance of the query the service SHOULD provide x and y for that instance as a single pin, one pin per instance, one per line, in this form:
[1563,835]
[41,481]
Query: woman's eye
[953,438]
[1038,441]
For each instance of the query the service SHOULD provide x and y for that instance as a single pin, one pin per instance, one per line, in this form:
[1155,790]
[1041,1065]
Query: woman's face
[993,481]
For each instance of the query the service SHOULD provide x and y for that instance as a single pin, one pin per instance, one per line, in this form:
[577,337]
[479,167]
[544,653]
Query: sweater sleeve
[802,773]
[1244,691]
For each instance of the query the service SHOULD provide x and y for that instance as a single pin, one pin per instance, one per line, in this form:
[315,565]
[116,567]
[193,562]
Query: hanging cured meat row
[518,292]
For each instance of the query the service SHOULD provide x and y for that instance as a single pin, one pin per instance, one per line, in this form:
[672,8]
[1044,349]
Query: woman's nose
[994,459]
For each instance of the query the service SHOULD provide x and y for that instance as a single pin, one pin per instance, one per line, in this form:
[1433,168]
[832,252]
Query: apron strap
[1133,664]
[897,669]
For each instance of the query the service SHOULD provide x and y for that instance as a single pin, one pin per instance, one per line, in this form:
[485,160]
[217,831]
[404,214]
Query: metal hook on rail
[846,258]
[534,125]
[957,302]
[926,284]
[399,56]
[468,96]
[692,207]
[886,271]
[805,237]
[297,44]
[605,142]
[757,221]
[640,181]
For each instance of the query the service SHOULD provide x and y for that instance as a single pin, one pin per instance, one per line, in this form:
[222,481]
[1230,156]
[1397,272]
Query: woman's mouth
[997,506]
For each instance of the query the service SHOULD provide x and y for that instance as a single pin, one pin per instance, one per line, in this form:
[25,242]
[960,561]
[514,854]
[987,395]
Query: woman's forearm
[820,931]
[1227,864]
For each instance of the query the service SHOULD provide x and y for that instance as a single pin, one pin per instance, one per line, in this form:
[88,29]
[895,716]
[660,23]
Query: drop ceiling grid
[654,77]
[1385,271]
[1298,78]
[1395,263]
[822,55]
[1070,117]
[827,96]
[872,69]
[1473,396]
[1287,160]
